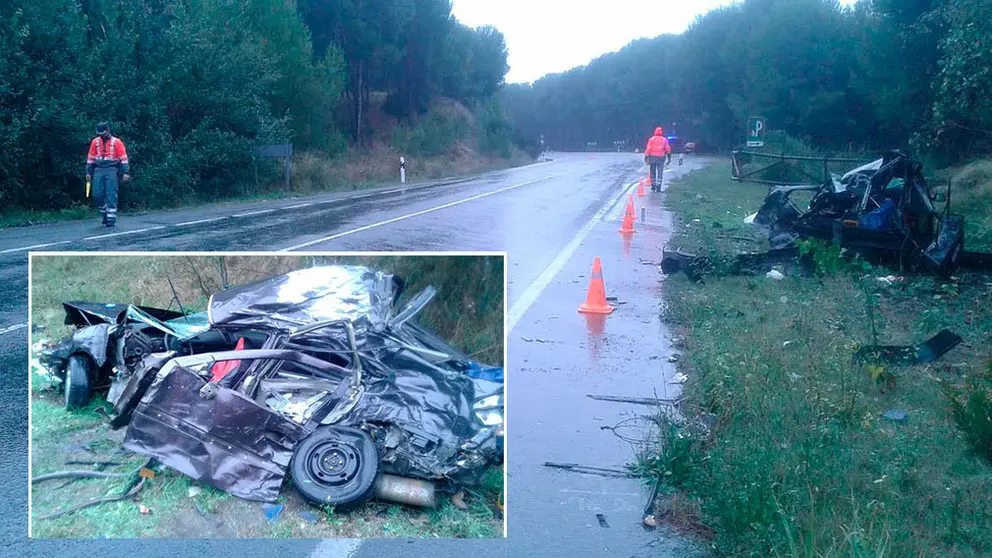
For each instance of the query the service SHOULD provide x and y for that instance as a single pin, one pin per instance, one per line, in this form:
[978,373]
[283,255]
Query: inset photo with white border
[265,395]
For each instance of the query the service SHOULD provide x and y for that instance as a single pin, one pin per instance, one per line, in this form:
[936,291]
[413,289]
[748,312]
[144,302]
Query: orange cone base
[585,309]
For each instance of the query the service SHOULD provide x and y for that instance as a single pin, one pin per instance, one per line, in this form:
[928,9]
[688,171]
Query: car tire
[77,382]
[335,466]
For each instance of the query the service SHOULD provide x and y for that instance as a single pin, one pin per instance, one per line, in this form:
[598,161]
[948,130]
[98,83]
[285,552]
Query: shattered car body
[315,373]
[882,211]
[880,208]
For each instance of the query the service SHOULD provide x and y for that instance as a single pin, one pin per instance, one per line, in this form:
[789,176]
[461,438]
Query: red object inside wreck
[221,369]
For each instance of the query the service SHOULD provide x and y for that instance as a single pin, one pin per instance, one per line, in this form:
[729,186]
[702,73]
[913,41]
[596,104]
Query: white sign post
[402,170]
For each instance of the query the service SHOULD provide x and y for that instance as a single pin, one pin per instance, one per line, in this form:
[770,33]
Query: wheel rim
[333,463]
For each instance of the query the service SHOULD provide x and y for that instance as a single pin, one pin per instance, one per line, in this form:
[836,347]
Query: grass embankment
[786,451]
[468,312]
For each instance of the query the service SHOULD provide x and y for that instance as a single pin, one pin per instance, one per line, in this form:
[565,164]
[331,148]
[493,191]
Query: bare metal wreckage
[882,211]
[317,372]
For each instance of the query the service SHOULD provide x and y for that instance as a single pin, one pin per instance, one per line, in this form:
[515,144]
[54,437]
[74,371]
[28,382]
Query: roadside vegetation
[787,446]
[468,312]
[875,74]
[351,85]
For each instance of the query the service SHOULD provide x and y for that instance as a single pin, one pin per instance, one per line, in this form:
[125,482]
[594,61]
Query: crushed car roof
[309,296]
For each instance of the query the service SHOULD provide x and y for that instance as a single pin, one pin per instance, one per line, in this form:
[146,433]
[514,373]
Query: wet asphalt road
[552,218]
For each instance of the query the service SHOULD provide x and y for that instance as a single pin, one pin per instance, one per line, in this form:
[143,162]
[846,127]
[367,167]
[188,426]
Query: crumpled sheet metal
[90,313]
[90,340]
[228,442]
[419,397]
[308,296]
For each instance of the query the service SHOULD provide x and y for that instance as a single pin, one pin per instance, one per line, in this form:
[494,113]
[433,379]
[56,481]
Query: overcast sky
[546,36]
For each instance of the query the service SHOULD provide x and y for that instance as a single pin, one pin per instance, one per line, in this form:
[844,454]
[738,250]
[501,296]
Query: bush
[495,130]
[971,408]
[433,135]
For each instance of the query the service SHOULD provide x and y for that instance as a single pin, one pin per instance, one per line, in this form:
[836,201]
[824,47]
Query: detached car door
[215,435]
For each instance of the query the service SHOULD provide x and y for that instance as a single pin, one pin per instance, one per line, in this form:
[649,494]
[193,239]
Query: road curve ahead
[552,218]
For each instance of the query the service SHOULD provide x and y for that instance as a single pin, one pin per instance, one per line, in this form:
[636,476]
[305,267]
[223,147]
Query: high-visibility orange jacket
[658,144]
[106,153]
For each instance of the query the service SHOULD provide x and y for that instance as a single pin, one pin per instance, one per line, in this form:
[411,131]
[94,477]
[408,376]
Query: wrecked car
[883,208]
[881,211]
[316,373]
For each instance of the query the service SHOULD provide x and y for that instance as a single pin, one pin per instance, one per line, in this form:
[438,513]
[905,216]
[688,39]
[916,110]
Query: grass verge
[312,174]
[468,312]
[786,449]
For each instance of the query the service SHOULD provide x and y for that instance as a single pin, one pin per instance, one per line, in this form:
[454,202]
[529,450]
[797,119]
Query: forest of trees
[912,74]
[193,85]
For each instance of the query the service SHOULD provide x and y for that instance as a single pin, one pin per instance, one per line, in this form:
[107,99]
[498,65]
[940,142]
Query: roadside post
[282,151]
[402,170]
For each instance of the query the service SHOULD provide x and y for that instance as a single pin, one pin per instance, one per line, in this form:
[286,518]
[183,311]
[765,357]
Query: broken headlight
[489,410]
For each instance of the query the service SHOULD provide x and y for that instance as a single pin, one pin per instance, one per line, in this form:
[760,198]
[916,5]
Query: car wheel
[77,382]
[336,466]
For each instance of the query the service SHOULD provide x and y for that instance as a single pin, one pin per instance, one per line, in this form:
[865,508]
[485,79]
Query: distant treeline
[913,74]
[192,85]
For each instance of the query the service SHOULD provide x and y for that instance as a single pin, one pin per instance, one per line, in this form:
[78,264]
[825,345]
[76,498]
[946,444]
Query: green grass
[468,312]
[785,452]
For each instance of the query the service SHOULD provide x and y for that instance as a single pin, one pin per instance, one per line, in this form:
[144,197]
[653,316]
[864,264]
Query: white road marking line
[417,213]
[197,222]
[535,289]
[123,233]
[8,250]
[13,328]
[392,191]
[297,206]
[361,196]
[336,548]
[250,213]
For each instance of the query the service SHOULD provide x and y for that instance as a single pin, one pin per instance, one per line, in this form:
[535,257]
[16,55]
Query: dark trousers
[105,193]
[657,174]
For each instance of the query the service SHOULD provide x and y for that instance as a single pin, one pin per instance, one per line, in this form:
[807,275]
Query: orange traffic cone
[596,296]
[640,189]
[628,224]
[630,207]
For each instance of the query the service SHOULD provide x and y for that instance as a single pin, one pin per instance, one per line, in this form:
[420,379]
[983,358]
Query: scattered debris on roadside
[926,352]
[272,512]
[604,472]
[130,492]
[895,415]
[635,400]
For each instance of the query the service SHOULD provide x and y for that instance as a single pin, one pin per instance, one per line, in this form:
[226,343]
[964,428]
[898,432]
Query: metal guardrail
[786,164]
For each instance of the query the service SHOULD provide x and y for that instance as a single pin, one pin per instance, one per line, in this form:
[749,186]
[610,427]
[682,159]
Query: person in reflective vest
[107,159]
[656,154]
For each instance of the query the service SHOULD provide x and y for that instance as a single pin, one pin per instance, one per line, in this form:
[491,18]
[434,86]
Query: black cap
[102,127]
